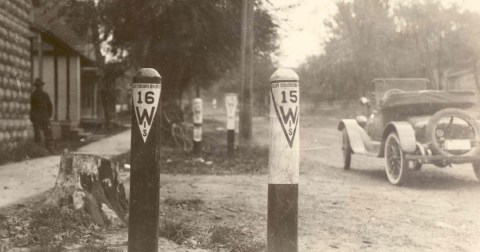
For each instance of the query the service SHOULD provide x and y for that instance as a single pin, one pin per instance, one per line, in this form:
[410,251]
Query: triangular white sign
[146,97]
[285,97]
[231,103]
[197,107]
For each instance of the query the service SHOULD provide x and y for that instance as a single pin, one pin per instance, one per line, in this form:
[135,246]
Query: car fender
[354,132]
[405,133]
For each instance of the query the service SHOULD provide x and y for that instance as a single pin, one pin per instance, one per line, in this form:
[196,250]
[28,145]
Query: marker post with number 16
[144,160]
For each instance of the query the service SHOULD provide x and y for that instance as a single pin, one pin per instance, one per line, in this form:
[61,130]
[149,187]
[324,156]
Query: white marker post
[283,164]
[231,101]
[197,126]
[144,159]
[214,103]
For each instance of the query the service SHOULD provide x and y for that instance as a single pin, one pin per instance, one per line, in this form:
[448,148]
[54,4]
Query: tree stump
[91,183]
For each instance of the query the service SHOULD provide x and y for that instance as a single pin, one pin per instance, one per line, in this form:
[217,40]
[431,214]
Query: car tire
[396,166]
[347,150]
[430,129]
[476,170]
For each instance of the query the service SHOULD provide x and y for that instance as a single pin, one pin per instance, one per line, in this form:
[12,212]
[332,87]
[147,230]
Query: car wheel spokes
[394,158]
[395,163]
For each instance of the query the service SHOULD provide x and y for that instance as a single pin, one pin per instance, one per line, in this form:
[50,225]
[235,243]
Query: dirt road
[437,210]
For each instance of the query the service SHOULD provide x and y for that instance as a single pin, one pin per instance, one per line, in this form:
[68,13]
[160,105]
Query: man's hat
[38,82]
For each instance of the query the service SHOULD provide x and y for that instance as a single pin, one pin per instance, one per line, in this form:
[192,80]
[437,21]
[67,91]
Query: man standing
[40,113]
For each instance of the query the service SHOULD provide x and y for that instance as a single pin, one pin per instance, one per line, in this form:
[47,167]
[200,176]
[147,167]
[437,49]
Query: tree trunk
[247,71]
[108,104]
[172,90]
[100,63]
[91,183]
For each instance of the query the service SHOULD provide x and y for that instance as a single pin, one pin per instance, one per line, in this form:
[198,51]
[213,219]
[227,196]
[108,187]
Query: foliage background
[374,38]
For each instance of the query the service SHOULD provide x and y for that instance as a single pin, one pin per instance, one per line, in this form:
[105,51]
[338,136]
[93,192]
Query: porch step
[97,124]
[77,134]
[91,124]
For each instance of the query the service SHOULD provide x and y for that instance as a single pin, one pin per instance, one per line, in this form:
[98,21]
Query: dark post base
[144,200]
[231,143]
[282,222]
[197,149]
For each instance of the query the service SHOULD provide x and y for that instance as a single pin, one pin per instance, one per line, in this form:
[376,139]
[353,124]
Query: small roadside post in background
[145,172]
[283,164]
[231,101]
[197,126]
[214,103]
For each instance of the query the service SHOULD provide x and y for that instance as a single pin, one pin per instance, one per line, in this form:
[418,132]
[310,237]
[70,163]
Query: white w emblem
[285,101]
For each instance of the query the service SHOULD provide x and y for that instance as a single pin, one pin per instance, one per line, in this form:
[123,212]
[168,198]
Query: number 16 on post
[145,103]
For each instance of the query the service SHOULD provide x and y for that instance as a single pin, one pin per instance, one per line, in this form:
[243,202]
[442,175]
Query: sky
[301,25]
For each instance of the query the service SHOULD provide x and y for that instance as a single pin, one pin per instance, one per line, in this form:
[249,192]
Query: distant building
[15,72]
[65,62]
[461,79]
[36,42]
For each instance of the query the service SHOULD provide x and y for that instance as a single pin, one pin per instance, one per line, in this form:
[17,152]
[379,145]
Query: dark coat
[41,106]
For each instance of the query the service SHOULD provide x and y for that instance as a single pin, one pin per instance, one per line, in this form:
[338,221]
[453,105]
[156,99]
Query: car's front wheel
[396,166]
[476,170]
[347,150]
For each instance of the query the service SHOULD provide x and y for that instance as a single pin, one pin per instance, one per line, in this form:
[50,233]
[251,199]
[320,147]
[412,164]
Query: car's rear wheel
[476,170]
[452,132]
[347,150]
[396,166]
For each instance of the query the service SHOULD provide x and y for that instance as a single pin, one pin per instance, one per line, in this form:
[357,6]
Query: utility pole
[246,64]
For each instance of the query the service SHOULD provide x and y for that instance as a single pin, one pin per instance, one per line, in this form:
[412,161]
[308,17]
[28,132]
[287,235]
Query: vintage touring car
[409,125]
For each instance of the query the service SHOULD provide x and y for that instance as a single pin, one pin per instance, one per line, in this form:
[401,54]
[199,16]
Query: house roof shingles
[48,20]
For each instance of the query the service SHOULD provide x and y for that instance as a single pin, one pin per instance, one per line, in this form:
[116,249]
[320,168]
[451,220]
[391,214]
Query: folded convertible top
[427,101]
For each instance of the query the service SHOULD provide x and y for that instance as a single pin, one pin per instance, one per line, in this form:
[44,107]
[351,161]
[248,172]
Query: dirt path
[350,210]
[30,178]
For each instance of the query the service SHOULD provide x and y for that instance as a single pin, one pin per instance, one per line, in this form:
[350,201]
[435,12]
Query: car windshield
[381,86]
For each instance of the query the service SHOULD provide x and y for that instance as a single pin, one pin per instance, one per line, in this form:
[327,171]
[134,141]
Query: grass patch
[98,248]
[234,239]
[176,230]
[188,204]
[28,149]
[50,227]
[252,160]
[196,230]
[84,248]
[230,238]
[24,150]
[247,160]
